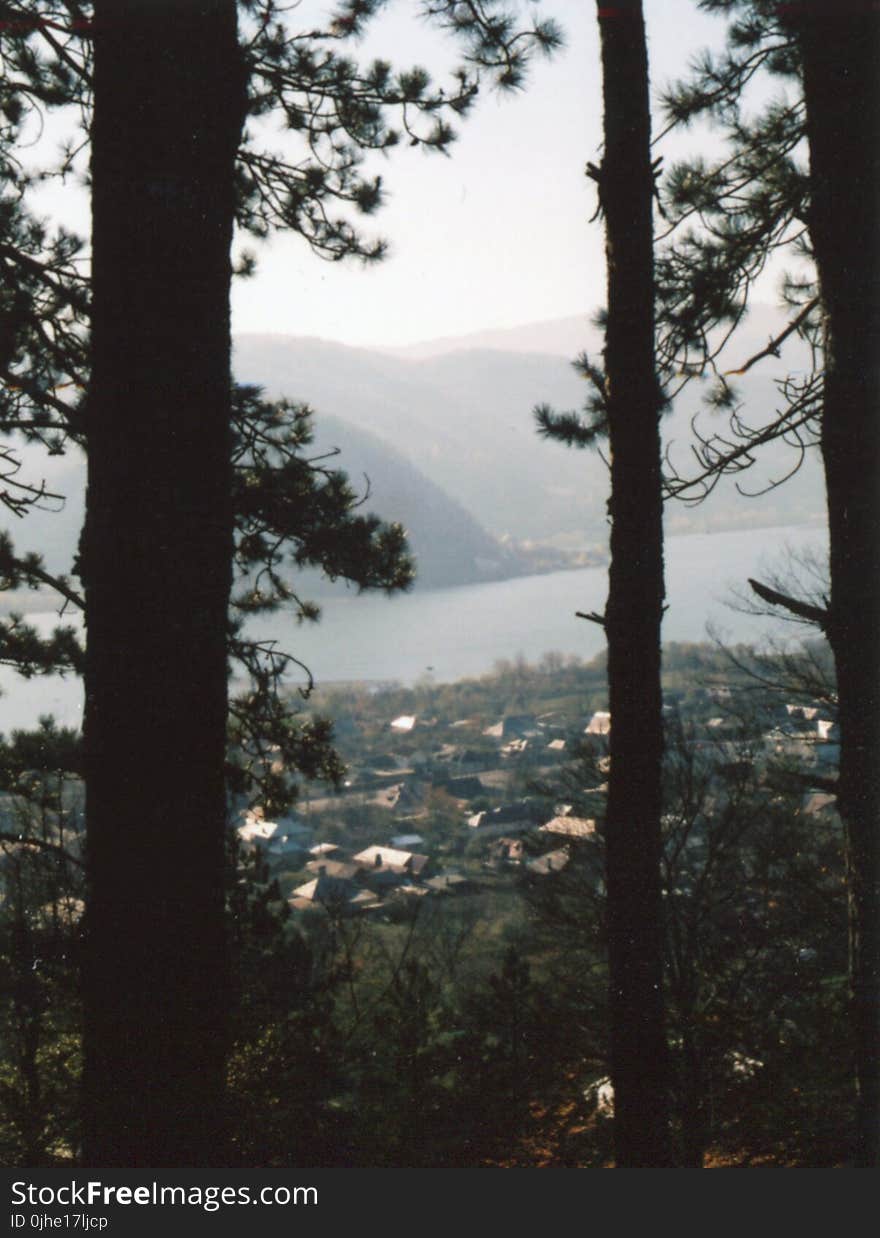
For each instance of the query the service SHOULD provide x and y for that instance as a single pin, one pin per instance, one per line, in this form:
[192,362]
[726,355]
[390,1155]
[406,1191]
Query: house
[518,726]
[365,900]
[256,831]
[509,819]
[410,796]
[385,881]
[407,891]
[449,883]
[389,859]
[550,862]
[289,844]
[388,797]
[403,724]
[405,842]
[571,827]
[474,759]
[514,726]
[803,713]
[400,797]
[506,850]
[464,787]
[330,893]
[599,724]
[346,870]
[284,837]
[782,741]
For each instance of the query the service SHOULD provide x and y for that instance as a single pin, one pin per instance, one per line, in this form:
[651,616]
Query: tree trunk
[156,566]
[635,603]
[840,58]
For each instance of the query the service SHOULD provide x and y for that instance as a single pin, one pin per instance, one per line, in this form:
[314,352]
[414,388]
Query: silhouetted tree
[758,199]
[41,892]
[171,170]
[840,53]
[627,409]
[634,608]
[169,102]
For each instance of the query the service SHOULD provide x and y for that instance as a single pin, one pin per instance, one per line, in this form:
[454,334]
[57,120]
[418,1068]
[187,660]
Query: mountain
[560,337]
[444,432]
[464,419]
[450,546]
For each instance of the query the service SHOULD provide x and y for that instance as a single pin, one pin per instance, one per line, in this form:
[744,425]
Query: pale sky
[497,234]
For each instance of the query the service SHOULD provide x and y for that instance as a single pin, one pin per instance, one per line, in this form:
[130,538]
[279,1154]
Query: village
[449,893]
[437,806]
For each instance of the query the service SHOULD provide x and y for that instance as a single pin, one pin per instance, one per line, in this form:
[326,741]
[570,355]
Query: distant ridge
[445,432]
[569,336]
[556,337]
[459,410]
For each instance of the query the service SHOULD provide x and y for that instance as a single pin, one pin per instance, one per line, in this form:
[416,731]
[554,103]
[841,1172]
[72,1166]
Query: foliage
[284,1065]
[292,511]
[41,891]
[723,221]
[755,941]
[471,1031]
[312,181]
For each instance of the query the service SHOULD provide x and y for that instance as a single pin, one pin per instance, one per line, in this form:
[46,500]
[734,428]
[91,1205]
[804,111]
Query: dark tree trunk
[156,567]
[841,53]
[635,603]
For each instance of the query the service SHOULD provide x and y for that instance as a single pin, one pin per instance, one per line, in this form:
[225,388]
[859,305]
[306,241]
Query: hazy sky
[495,235]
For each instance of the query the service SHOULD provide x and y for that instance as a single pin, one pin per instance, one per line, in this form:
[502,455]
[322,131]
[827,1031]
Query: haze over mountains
[444,431]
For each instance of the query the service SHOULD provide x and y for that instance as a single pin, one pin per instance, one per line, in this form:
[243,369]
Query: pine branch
[813,614]
[41,844]
[772,349]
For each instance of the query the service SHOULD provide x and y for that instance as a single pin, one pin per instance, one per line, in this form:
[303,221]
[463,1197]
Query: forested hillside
[463,418]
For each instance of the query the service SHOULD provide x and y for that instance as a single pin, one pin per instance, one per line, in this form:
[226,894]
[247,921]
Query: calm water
[454,633]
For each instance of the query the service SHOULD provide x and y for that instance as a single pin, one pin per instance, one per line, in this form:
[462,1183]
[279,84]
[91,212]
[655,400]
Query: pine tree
[628,410]
[728,218]
[840,57]
[171,171]
[335,112]
[159,518]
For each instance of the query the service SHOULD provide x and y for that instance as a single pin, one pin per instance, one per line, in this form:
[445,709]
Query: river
[454,633]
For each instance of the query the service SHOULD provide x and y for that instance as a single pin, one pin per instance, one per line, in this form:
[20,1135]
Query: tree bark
[841,51]
[635,603]
[156,564]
